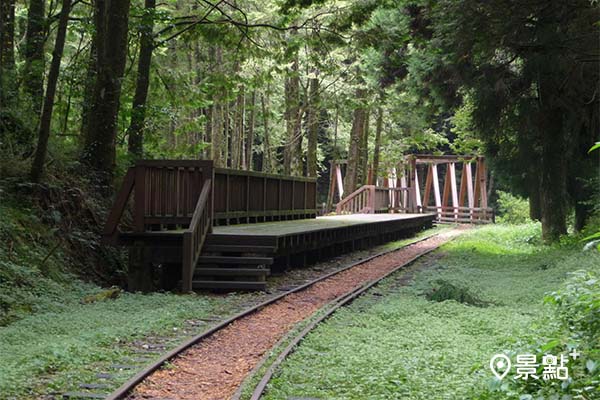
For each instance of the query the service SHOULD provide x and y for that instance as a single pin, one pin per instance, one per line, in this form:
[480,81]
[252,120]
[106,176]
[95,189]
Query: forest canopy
[290,86]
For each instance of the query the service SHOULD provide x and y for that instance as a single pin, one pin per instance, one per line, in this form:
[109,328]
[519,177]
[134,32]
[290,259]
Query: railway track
[294,341]
[152,381]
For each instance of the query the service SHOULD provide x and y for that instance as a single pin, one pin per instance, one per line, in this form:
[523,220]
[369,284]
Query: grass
[52,339]
[55,351]
[404,346]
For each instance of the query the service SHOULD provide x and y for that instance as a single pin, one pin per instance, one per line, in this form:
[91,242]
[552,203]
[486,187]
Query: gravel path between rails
[214,368]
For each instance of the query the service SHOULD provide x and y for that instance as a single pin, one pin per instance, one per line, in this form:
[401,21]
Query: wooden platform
[192,226]
[242,256]
[284,228]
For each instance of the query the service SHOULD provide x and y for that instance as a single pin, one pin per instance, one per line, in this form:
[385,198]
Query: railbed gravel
[214,368]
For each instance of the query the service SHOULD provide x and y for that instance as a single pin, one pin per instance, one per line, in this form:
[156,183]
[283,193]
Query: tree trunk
[111,19]
[553,178]
[241,126]
[377,149]
[553,160]
[138,109]
[313,127]
[356,134]
[535,212]
[208,112]
[364,151]
[250,138]
[292,110]
[336,123]
[217,132]
[219,137]
[7,52]
[582,170]
[88,92]
[37,167]
[226,142]
[33,74]
[267,162]
[237,130]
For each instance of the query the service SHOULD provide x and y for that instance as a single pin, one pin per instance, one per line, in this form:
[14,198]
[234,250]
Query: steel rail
[130,384]
[336,304]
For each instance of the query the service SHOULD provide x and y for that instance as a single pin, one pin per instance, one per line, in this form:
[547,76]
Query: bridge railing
[462,214]
[166,193]
[370,199]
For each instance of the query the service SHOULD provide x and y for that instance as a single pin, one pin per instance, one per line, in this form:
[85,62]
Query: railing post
[372,200]
[413,184]
[140,198]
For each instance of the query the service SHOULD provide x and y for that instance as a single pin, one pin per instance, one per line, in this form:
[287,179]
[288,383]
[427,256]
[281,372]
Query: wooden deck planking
[283,228]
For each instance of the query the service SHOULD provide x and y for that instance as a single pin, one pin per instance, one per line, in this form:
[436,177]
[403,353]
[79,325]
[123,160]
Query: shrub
[512,209]
[443,290]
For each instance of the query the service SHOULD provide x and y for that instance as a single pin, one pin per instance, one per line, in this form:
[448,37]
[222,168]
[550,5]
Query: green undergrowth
[60,328]
[55,351]
[58,331]
[33,277]
[405,344]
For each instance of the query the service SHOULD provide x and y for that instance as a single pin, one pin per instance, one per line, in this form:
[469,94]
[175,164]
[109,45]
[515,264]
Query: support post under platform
[140,274]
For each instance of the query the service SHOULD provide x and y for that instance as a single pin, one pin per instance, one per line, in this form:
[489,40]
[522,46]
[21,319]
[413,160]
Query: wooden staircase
[239,263]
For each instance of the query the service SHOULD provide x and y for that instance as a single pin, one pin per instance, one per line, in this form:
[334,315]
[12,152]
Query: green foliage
[443,290]
[467,140]
[512,209]
[15,137]
[29,280]
[578,309]
[57,331]
[595,183]
[393,343]
[60,347]
[574,325]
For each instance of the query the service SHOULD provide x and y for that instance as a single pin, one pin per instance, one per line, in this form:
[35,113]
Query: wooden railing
[110,231]
[370,199]
[187,197]
[193,237]
[462,214]
[248,196]
[167,192]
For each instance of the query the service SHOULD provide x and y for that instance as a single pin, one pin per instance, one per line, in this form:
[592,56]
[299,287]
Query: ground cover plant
[57,331]
[294,87]
[397,344]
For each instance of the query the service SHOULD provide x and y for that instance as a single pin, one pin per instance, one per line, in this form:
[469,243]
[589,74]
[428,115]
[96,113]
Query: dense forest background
[87,87]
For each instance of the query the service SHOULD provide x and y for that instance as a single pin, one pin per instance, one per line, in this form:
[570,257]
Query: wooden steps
[230,285]
[229,248]
[232,272]
[232,260]
[234,264]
